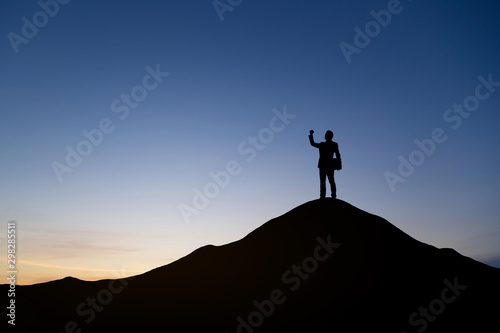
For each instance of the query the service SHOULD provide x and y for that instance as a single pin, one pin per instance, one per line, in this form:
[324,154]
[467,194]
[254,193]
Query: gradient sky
[118,212]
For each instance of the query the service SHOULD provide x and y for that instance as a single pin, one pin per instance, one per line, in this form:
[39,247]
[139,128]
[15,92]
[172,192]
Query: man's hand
[311,132]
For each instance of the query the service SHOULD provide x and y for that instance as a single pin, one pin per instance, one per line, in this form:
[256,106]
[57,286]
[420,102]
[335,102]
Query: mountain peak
[324,264]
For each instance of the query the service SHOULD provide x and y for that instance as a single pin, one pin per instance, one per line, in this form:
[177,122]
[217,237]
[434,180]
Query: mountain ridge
[323,264]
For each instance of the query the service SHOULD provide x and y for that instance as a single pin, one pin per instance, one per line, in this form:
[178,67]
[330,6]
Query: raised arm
[311,139]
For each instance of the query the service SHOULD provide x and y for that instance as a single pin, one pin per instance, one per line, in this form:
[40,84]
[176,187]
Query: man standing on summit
[327,164]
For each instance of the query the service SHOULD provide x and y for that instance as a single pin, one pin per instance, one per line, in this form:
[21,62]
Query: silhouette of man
[326,163]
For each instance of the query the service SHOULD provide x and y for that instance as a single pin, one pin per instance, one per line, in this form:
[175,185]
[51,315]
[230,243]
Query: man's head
[329,135]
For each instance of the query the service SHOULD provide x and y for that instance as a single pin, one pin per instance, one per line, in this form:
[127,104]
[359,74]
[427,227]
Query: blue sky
[118,211]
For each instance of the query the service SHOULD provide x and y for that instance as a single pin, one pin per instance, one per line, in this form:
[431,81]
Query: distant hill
[323,266]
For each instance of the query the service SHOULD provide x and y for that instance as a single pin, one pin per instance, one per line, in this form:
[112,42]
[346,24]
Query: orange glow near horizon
[29,272]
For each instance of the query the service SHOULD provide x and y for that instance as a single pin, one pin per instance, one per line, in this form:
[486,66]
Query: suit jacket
[326,151]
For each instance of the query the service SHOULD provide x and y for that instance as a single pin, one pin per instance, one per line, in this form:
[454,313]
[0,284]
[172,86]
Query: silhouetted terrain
[325,266]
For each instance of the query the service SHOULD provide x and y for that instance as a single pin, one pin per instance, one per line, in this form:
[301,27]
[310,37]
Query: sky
[134,132]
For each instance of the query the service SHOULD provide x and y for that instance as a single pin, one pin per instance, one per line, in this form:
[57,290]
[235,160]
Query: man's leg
[331,179]
[322,183]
